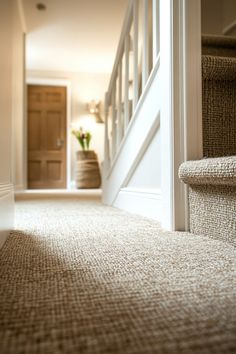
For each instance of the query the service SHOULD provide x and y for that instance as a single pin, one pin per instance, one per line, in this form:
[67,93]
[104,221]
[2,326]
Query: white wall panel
[147,173]
[11,108]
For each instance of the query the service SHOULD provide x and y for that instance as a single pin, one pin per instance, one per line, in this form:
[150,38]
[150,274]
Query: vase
[87,170]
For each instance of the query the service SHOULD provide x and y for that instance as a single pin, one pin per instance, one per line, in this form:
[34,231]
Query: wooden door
[46,137]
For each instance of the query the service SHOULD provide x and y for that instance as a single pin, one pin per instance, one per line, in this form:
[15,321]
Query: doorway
[47,137]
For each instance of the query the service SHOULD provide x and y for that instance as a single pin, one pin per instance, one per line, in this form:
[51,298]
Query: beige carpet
[212,196]
[78,277]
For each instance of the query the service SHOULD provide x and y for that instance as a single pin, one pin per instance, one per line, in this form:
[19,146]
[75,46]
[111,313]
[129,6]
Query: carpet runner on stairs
[212,181]
[219,106]
[212,197]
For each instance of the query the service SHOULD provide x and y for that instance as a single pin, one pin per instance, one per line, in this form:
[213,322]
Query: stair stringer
[144,125]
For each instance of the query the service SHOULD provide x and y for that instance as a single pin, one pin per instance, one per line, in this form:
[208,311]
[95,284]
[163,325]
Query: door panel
[46,137]
[53,170]
[34,129]
[34,171]
[53,130]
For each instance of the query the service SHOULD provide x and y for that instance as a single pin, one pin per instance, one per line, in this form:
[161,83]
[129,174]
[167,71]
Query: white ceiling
[73,35]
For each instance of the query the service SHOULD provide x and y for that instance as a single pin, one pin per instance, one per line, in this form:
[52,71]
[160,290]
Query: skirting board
[19,187]
[145,202]
[80,194]
[6,211]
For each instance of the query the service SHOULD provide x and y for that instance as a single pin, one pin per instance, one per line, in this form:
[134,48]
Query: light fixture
[40,6]
[94,108]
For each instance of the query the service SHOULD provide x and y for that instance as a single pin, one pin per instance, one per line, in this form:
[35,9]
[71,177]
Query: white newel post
[180,48]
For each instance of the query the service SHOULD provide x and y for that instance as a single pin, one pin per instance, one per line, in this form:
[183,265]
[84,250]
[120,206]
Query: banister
[129,77]
[125,28]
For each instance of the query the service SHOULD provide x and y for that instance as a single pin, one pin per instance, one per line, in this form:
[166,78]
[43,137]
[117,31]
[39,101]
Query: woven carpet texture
[79,277]
[219,106]
[223,46]
[212,196]
[213,211]
[212,180]
[213,171]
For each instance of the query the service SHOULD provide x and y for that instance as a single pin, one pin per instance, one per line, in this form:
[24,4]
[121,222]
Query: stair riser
[213,211]
[219,123]
[219,106]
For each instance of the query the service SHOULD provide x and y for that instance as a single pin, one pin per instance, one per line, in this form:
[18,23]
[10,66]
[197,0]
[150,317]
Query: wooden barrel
[87,170]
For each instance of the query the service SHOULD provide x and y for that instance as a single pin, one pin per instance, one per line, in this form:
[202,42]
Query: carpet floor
[80,277]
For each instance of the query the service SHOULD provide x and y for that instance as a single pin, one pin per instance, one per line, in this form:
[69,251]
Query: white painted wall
[212,16]
[229,15]
[147,174]
[6,20]
[9,29]
[84,88]
[18,106]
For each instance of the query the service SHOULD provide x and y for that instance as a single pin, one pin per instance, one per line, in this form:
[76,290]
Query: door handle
[60,142]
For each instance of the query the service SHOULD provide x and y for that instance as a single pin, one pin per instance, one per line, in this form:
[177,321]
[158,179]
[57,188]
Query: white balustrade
[123,104]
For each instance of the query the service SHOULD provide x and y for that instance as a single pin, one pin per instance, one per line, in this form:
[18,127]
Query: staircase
[212,181]
[132,121]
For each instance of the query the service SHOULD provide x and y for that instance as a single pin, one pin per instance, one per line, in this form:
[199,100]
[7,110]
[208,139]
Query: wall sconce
[94,108]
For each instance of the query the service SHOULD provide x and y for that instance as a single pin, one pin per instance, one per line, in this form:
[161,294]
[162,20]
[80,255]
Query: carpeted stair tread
[218,68]
[212,197]
[219,45]
[212,171]
[212,180]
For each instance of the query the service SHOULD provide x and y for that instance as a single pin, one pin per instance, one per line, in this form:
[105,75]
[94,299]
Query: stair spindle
[135,49]
[127,46]
[119,109]
[106,145]
[155,29]
[114,121]
[145,66]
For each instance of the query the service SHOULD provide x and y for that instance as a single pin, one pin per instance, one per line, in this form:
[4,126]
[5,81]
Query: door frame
[181,110]
[67,85]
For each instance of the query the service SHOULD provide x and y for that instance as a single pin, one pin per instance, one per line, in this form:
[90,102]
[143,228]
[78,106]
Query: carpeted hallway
[79,277]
